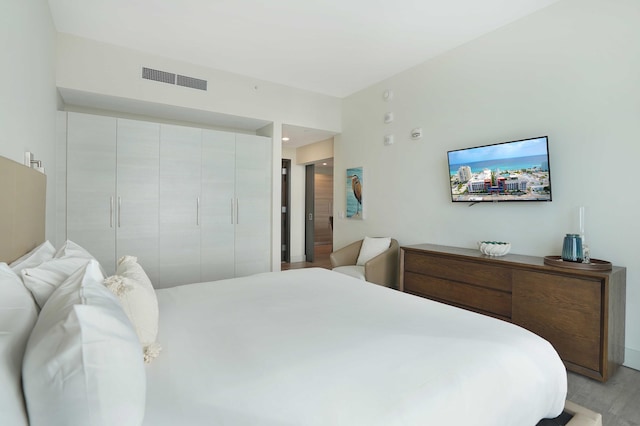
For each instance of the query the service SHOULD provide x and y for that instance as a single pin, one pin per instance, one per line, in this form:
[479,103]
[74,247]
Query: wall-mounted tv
[507,171]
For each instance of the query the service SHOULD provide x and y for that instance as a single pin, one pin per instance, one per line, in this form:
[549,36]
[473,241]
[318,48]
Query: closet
[235,205]
[192,204]
[180,187]
[112,188]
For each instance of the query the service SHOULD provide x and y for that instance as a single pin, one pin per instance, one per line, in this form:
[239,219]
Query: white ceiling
[334,47]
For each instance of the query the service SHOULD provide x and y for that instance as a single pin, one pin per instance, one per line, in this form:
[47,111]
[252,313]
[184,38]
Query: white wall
[100,68]
[28,99]
[570,71]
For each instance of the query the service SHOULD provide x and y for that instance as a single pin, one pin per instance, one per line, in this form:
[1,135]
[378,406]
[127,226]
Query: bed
[299,347]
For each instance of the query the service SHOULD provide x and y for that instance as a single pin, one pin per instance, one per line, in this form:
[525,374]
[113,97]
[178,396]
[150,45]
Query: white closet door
[179,256]
[91,185]
[138,172]
[218,205]
[253,193]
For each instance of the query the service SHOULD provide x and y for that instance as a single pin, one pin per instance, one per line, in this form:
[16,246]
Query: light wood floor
[618,400]
[321,259]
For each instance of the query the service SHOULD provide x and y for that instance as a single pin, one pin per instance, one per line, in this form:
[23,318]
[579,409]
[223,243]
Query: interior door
[309,211]
[179,215]
[91,185]
[138,172]
[218,205]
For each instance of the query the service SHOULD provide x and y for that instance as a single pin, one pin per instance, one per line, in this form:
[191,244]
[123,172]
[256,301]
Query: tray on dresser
[594,265]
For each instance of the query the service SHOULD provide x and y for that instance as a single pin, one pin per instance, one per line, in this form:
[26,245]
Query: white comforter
[313,347]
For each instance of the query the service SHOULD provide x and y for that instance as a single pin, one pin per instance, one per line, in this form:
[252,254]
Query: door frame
[285,212]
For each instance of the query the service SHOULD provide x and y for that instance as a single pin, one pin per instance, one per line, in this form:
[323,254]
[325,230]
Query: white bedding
[313,347]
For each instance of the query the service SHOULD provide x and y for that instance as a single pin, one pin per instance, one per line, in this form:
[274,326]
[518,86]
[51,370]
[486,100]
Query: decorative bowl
[494,248]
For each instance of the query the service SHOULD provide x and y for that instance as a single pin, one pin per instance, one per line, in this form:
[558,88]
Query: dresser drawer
[469,296]
[566,311]
[490,276]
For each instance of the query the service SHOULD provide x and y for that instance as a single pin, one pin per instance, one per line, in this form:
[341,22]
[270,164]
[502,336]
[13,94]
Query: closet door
[91,185]
[179,215]
[218,205]
[138,172]
[253,204]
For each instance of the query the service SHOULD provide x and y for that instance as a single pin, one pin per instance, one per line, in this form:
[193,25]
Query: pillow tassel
[151,352]
[116,285]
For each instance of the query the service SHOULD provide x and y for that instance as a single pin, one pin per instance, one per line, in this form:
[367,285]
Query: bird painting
[356,187]
[353,192]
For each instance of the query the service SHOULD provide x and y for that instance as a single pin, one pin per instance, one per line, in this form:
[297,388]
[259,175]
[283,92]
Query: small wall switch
[388,117]
[416,133]
[389,139]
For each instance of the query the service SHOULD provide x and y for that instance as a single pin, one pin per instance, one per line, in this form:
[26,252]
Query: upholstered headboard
[22,212]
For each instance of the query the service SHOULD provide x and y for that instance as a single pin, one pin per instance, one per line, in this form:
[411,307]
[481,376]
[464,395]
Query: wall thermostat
[416,133]
[388,117]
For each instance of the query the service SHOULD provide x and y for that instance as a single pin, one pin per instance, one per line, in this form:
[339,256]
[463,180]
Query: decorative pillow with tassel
[138,298]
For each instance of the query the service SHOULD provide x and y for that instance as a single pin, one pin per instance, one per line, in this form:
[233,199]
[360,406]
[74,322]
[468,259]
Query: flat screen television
[507,171]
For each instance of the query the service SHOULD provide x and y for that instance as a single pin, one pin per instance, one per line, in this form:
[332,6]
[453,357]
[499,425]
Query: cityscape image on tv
[511,171]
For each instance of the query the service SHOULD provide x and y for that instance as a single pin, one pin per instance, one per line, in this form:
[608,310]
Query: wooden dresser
[581,312]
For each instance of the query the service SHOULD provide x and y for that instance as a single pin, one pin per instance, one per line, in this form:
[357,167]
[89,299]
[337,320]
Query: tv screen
[507,171]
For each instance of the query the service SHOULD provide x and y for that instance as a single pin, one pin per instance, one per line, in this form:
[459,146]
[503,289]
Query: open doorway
[313,212]
[310,220]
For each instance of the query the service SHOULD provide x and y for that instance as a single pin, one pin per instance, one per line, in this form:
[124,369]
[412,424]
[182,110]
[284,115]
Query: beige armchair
[381,269]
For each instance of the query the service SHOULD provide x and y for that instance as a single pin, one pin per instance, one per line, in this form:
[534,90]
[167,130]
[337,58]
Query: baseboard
[294,259]
[632,358]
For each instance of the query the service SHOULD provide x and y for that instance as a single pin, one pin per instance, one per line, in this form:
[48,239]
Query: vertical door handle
[198,211]
[119,210]
[310,216]
[110,212]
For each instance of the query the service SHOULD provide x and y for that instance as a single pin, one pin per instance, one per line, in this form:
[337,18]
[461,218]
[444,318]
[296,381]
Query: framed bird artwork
[354,193]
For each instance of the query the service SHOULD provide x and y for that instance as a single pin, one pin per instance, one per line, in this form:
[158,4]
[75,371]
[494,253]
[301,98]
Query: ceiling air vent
[171,78]
[157,75]
[194,83]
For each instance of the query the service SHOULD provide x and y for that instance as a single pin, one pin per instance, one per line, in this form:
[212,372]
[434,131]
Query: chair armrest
[383,269]
[347,255]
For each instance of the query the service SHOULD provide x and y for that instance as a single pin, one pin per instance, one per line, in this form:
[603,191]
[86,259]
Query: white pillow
[18,314]
[71,249]
[43,279]
[139,301]
[82,365]
[371,247]
[35,257]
